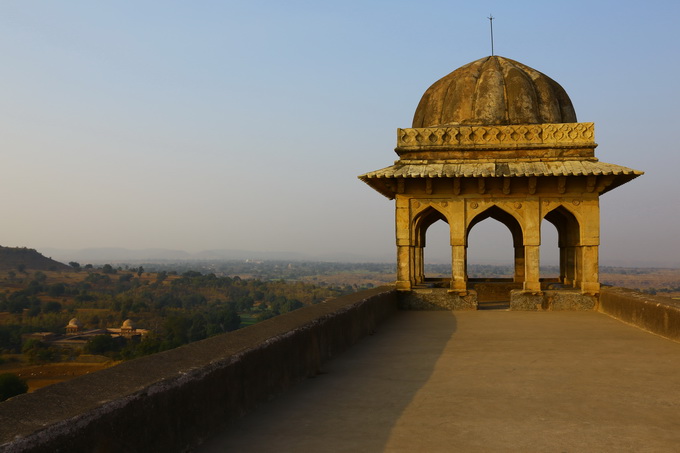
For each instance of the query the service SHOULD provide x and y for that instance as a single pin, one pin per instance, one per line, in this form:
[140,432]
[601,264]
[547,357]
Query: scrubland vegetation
[175,307]
[183,302]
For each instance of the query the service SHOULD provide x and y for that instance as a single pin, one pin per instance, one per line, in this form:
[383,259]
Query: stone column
[590,281]
[532,245]
[578,269]
[532,268]
[563,264]
[403,267]
[458,277]
[419,264]
[519,264]
[405,277]
[587,277]
[569,265]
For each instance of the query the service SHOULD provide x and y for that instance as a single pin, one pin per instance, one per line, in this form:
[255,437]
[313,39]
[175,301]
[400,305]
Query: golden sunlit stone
[498,139]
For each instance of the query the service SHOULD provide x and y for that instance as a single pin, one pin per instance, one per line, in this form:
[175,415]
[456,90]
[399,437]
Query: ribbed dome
[494,91]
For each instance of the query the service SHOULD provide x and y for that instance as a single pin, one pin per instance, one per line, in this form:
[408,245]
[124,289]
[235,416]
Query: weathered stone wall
[171,400]
[660,315]
[436,299]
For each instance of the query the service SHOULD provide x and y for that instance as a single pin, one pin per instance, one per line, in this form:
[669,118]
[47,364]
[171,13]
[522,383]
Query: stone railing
[497,137]
[656,314]
[172,400]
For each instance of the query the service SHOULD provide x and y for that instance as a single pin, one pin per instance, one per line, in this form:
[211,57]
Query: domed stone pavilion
[498,139]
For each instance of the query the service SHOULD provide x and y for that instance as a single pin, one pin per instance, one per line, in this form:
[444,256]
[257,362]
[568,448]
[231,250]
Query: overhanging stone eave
[620,180]
[491,169]
[379,185]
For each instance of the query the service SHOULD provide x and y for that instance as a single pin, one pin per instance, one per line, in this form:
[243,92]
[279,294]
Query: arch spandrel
[427,214]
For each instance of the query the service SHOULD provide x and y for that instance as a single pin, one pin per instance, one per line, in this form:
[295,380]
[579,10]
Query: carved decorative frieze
[514,136]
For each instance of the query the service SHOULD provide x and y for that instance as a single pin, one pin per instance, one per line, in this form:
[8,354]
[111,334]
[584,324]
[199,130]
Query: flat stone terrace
[480,381]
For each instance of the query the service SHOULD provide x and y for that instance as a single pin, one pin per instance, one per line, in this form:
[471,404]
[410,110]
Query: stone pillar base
[521,300]
[403,285]
[590,288]
[569,301]
[437,299]
[559,300]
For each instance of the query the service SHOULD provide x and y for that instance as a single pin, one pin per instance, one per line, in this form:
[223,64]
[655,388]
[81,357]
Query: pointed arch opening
[432,249]
[568,241]
[507,219]
[490,252]
[493,290]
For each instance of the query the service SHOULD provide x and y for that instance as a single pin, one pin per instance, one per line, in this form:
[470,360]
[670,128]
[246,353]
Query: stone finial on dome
[494,91]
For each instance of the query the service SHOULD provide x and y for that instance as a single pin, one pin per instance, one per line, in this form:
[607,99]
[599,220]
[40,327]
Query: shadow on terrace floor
[371,386]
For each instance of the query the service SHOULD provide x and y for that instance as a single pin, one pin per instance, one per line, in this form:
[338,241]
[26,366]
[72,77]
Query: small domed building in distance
[76,337]
[73,327]
[496,138]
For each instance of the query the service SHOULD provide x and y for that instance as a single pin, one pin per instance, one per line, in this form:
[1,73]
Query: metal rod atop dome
[491,18]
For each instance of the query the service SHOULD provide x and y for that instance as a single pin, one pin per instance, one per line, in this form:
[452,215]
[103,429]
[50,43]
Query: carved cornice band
[569,135]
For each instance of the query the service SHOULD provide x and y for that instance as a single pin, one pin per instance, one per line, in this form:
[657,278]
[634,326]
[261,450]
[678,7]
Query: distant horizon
[121,255]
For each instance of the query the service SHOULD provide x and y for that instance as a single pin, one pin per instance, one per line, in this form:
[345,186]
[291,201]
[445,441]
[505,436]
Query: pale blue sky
[243,124]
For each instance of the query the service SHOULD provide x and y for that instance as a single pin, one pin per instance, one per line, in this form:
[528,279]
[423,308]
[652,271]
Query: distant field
[660,281]
[38,376]
[113,303]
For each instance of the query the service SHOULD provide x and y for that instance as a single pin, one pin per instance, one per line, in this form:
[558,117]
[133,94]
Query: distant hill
[12,258]
[122,255]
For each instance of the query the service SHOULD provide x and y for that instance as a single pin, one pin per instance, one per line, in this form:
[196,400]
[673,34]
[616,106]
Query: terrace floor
[480,381]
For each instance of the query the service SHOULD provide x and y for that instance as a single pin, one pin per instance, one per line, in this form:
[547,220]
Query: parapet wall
[172,400]
[656,314]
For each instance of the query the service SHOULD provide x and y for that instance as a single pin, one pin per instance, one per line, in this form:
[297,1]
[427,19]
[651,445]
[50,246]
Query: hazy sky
[243,124]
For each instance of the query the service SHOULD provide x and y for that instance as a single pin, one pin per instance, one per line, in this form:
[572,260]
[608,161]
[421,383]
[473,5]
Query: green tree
[10,338]
[75,265]
[52,307]
[267,314]
[56,290]
[39,352]
[176,329]
[11,385]
[108,269]
[197,331]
